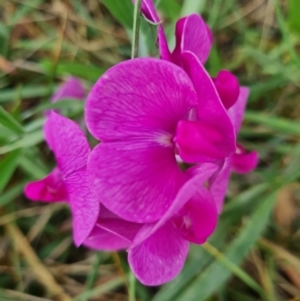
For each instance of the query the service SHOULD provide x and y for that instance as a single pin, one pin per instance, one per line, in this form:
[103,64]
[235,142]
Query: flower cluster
[158,179]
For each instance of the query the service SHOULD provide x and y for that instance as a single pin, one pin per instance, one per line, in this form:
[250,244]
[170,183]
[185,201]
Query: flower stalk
[136,29]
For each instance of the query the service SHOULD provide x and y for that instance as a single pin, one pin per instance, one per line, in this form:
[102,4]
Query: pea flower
[193,35]
[96,228]
[159,249]
[240,162]
[72,88]
[145,111]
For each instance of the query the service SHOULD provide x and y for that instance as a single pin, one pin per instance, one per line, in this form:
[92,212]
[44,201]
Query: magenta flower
[71,88]
[192,35]
[145,111]
[97,229]
[239,162]
[159,249]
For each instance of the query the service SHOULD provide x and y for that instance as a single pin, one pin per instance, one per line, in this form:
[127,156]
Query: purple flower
[192,35]
[145,111]
[159,249]
[239,162]
[72,88]
[97,229]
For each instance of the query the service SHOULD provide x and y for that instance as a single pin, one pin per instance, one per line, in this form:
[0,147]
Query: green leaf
[28,91]
[26,141]
[171,8]
[4,38]
[293,15]
[88,72]
[12,193]
[10,122]
[192,6]
[278,124]
[121,10]
[213,277]
[8,164]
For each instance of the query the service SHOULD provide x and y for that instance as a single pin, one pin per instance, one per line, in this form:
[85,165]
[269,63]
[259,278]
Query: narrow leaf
[8,164]
[10,122]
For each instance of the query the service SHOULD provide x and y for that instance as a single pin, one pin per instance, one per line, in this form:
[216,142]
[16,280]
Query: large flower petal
[111,233]
[191,189]
[140,99]
[49,189]
[192,34]
[160,257]
[84,205]
[136,181]
[68,143]
[71,150]
[210,108]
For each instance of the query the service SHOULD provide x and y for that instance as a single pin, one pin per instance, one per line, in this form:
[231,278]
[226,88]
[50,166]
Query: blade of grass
[219,256]
[121,10]
[131,286]
[101,289]
[8,166]
[28,91]
[275,123]
[192,6]
[42,273]
[26,141]
[92,275]
[11,194]
[10,122]
[136,29]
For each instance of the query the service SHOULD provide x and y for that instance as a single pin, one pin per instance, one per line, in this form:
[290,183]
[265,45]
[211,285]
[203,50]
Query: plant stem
[131,283]
[136,29]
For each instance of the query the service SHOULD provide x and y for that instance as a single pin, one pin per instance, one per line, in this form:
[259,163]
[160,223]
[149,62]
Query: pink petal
[210,108]
[85,206]
[197,141]
[140,99]
[191,189]
[198,218]
[236,112]
[136,181]
[219,183]
[148,10]
[193,34]
[244,162]
[162,42]
[228,88]
[49,189]
[111,234]
[68,143]
[159,258]
[71,150]
[71,88]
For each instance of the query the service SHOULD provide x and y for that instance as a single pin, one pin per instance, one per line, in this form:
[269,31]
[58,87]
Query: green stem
[131,283]
[136,29]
